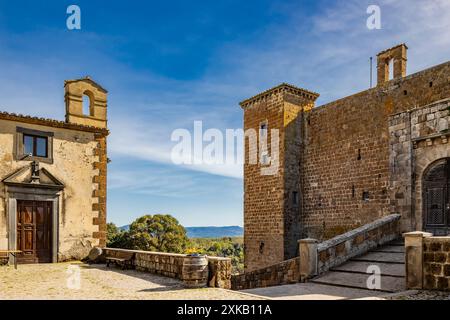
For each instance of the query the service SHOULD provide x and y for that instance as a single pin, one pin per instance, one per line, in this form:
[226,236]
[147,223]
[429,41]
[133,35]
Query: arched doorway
[436,196]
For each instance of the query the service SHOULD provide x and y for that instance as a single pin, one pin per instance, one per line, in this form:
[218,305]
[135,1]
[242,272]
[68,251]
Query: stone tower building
[53,179]
[348,162]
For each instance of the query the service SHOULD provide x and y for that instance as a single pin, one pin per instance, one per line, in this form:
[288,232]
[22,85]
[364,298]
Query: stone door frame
[15,193]
[424,195]
[424,158]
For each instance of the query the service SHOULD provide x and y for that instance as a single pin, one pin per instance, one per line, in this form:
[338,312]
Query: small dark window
[359,154]
[365,196]
[431,84]
[405,92]
[261,247]
[295,198]
[353,191]
[35,145]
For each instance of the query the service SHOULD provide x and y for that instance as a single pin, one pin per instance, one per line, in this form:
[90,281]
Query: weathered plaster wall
[74,157]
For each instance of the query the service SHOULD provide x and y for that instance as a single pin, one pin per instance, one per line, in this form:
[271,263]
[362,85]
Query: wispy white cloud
[326,51]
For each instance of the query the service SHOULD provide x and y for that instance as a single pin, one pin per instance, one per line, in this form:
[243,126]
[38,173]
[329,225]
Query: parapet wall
[316,258]
[284,272]
[339,249]
[171,265]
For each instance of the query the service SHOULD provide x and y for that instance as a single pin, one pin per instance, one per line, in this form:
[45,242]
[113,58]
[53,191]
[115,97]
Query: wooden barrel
[195,271]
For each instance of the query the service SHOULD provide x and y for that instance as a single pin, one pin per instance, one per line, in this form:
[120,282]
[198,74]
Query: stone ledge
[339,249]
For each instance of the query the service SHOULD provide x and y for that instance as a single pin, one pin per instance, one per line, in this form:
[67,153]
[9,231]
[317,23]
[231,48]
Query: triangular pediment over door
[33,176]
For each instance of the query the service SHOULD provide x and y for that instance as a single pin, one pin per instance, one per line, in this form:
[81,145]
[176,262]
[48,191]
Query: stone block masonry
[427,261]
[436,263]
[341,248]
[285,272]
[271,216]
[99,193]
[343,164]
[418,138]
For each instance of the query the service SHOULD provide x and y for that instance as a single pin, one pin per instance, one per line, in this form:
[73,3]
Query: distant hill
[214,232]
[208,232]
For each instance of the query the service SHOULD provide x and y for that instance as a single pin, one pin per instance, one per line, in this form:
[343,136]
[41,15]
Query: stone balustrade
[317,258]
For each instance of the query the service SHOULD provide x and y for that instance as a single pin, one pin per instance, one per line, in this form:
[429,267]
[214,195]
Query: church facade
[53,179]
[349,162]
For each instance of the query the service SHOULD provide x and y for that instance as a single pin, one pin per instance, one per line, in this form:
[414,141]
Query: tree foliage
[157,232]
[220,247]
[163,233]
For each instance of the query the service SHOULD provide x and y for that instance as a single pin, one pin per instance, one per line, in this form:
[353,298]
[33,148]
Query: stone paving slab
[398,242]
[312,291]
[357,280]
[391,249]
[54,281]
[382,257]
[362,266]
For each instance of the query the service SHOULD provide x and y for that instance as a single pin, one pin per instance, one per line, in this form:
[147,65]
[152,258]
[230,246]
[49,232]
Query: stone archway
[425,158]
[436,197]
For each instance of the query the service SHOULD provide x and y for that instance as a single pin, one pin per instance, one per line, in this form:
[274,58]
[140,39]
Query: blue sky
[168,64]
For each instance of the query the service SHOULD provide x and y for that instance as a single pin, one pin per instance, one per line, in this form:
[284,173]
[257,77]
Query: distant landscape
[208,232]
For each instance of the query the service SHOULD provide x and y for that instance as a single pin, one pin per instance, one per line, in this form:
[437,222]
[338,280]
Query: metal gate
[436,188]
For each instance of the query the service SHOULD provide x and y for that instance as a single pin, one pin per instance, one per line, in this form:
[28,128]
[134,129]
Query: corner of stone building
[272,229]
[96,117]
[100,192]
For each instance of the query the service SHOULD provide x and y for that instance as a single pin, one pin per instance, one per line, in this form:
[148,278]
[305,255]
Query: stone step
[357,280]
[397,242]
[390,248]
[387,257]
[387,269]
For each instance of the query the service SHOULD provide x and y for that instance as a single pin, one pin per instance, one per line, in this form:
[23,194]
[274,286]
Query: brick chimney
[399,56]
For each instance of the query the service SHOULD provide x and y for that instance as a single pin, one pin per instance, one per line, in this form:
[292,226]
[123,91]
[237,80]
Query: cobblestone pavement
[422,295]
[59,281]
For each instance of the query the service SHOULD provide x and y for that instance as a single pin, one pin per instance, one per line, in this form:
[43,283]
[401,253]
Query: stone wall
[436,263]
[418,137]
[427,261]
[339,161]
[339,249]
[346,168]
[171,265]
[219,272]
[271,218]
[285,272]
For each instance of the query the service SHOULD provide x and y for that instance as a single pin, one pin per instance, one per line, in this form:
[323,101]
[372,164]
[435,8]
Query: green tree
[112,233]
[157,232]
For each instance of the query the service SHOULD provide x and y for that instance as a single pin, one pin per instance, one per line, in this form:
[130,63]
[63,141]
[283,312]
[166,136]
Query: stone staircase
[390,259]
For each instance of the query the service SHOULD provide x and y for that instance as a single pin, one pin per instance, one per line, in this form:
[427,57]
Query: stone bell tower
[94,116]
[75,90]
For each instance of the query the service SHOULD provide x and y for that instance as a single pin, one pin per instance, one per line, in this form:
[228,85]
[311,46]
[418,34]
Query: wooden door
[437,198]
[34,231]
